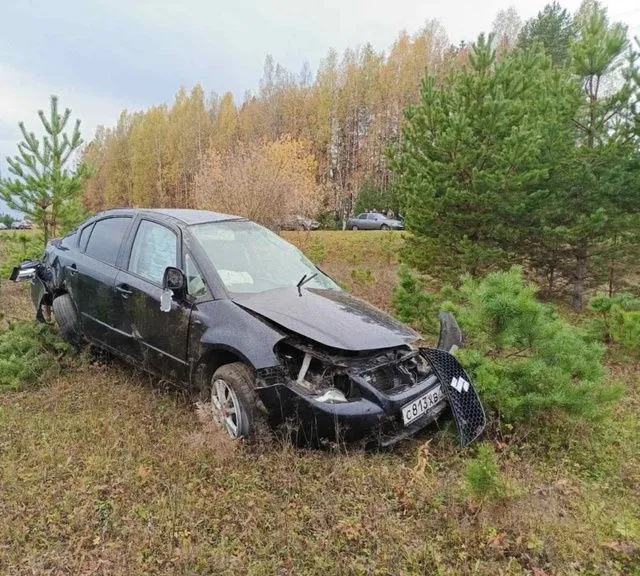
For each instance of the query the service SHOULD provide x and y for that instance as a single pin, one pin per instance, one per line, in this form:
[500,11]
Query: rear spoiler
[26,271]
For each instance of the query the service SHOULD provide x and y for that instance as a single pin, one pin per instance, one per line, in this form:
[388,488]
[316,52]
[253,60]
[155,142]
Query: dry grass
[103,472]
[365,262]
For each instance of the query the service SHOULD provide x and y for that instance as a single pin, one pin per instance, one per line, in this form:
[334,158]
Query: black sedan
[225,306]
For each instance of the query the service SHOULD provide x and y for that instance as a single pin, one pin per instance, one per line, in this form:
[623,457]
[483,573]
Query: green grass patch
[30,353]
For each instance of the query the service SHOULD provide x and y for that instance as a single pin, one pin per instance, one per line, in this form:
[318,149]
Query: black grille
[463,398]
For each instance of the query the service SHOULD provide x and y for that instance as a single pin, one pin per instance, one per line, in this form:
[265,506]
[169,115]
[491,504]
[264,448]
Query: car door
[372,221]
[92,275]
[158,339]
[360,220]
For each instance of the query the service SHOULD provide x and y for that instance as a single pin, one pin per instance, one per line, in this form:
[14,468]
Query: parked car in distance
[230,309]
[3,226]
[22,225]
[374,221]
[299,223]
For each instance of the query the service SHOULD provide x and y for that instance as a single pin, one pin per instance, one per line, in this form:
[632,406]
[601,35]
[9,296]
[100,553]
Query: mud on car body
[225,306]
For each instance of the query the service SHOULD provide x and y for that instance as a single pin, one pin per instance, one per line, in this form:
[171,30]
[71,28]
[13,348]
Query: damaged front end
[377,396]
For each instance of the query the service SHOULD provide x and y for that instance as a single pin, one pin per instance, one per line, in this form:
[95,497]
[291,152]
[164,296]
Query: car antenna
[303,281]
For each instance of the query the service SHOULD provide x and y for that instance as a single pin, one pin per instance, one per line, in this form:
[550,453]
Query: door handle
[73,269]
[124,290]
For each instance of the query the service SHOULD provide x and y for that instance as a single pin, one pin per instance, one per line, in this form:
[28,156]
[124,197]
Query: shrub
[618,320]
[413,305]
[328,221]
[362,276]
[482,475]
[19,247]
[29,353]
[525,359]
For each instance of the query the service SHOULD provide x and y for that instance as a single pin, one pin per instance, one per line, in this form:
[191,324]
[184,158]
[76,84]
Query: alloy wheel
[226,407]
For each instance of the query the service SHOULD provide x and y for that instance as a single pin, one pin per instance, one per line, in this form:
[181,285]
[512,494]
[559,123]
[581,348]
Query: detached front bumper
[376,416]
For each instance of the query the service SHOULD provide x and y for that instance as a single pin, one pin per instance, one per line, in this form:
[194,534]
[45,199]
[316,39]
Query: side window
[69,240]
[195,283]
[361,216]
[84,237]
[154,248]
[106,238]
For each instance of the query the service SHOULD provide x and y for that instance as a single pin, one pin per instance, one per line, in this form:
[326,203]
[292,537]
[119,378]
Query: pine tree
[474,150]
[596,210]
[42,182]
[553,28]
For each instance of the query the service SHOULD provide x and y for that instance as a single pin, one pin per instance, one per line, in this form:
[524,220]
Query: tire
[247,416]
[354,228]
[67,318]
[384,227]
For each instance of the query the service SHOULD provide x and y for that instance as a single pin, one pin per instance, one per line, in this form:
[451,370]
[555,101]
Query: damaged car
[225,306]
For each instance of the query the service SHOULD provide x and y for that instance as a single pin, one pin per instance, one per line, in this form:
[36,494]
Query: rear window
[106,238]
[69,240]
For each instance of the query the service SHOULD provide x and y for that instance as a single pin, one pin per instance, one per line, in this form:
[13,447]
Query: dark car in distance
[229,308]
[299,223]
[374,221]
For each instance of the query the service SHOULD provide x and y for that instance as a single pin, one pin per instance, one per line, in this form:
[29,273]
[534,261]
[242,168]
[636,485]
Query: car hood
[331,317]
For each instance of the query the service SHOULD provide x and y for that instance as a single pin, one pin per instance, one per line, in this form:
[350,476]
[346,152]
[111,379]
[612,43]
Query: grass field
[105,471]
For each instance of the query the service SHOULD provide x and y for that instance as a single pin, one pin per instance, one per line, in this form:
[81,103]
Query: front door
[159,339]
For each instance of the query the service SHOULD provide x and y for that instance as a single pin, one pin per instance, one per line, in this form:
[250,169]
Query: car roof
[183,215]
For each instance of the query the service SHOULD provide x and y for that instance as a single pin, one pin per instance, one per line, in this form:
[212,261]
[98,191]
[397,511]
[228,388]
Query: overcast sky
[101,56]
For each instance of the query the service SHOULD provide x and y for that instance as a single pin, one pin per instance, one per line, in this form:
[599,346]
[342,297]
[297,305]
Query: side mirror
[174,285]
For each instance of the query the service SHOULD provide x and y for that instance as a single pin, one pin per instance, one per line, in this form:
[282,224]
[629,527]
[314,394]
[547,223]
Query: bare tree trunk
[577,301]
[551,281]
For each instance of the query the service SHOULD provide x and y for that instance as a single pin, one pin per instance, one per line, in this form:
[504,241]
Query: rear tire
[234,403]
[67,318]
[354,228]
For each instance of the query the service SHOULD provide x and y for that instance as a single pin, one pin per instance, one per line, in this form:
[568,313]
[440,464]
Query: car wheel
[67,318]
[354,228]
[384,227]
[233,400]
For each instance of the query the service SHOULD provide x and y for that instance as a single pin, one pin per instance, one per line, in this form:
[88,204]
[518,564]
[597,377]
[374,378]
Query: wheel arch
[213,357]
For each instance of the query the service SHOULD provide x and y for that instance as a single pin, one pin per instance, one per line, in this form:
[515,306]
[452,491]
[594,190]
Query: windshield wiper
[303,281]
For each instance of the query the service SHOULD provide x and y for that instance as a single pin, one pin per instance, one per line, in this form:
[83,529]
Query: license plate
[420,406]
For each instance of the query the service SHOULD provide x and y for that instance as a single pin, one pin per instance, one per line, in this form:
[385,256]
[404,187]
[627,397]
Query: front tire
[234,404]
[384,227]
[67,318]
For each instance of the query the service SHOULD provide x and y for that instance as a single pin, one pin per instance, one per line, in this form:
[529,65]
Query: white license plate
[420,406]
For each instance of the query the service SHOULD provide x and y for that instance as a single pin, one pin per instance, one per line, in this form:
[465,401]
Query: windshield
[252,259]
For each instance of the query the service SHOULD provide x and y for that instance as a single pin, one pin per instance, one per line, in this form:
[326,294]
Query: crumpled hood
[331,317]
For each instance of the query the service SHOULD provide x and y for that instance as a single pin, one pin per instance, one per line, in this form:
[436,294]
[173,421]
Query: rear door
[158,339]
[93,275]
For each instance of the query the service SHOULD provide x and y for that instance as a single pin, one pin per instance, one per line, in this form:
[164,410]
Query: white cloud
[22,96]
